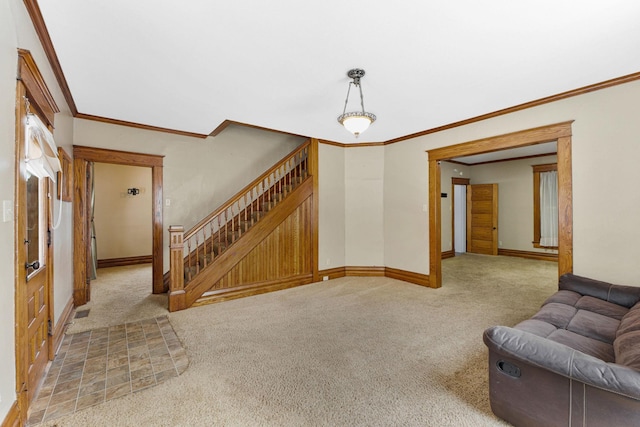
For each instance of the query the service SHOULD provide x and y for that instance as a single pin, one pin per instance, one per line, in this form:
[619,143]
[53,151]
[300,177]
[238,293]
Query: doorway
[83,156]
[460,216]
[561,133]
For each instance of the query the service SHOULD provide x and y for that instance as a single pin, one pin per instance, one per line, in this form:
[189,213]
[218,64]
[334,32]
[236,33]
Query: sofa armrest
[626,296]
[563,360]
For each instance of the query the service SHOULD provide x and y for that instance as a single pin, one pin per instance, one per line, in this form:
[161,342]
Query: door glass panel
[33,222]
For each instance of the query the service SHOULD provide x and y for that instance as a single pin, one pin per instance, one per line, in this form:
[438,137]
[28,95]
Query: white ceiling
[190,65]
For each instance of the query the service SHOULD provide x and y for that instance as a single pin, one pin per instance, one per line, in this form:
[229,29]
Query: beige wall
[16,31]
[198,174]
[364,218]
[331,245]
[123,222]
[605,153]
[406,220]
[515,199]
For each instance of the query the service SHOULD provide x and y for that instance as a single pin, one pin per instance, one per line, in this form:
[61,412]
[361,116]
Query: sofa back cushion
[627,343]
[623,295]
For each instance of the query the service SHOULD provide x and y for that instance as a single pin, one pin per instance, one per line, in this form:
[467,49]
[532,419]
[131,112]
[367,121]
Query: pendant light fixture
[356,122]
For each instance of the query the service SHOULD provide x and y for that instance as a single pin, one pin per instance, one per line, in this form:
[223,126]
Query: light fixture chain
[346,101]
[361,98]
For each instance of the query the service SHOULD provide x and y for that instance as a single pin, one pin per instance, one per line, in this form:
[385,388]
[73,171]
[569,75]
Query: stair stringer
[206,281]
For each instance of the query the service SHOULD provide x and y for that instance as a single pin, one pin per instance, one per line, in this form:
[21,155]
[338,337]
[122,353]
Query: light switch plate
[7,210]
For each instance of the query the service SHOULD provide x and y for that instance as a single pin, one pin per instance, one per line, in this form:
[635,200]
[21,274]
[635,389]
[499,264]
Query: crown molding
[225,124]
[47,45]
[546,100]
[138,125]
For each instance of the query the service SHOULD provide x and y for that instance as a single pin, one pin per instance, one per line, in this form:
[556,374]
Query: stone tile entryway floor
[95,366]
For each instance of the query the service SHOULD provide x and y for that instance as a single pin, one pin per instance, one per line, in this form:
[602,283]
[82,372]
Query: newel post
[177,296]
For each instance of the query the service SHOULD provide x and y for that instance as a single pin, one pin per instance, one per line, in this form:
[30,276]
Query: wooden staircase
[262,239]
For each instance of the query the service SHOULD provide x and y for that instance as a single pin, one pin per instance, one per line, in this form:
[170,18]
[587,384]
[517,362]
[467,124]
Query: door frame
[560,132]
[462,182]
[30,84]
[81,237]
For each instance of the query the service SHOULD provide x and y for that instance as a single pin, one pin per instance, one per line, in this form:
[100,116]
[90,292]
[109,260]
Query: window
[545,206]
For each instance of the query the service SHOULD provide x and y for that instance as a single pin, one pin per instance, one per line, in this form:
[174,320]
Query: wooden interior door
[482,219]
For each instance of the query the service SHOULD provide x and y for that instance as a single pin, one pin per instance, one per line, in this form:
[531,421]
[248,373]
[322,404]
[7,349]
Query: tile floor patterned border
[96,366]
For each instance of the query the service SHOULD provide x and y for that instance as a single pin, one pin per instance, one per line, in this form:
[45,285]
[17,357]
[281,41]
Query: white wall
[606,148]
[198,174]
[16,31]
[8,58]
[123,222]
[515,199]
[331,227]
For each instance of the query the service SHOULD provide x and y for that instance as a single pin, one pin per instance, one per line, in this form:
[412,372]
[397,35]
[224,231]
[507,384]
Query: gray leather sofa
[574,363]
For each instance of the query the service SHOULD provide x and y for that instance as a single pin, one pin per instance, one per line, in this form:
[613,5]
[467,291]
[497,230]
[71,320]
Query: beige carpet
[347,352]
[120,295]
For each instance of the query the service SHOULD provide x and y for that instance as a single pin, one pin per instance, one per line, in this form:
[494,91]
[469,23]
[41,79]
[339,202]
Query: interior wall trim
[448,254]
[120,262]
[59,328]
[45,40]
[138,125]
[226,123]
[354,145]
[41,98]
[546,100]
[332,273]
[13,416]
[407,276]
[542,256]
[392,273]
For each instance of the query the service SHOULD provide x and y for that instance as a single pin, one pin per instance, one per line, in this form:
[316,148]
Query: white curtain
[549,208]
[41,153]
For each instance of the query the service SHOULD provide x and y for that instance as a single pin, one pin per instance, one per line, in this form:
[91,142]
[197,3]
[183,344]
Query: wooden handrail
[240,194]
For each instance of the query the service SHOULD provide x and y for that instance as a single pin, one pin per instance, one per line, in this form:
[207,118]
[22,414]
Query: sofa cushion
[536,327]
[630,322]
[627,349]
[564,297]
[559,315]
[594,325]
[626,296]
[601,307]
[595,348]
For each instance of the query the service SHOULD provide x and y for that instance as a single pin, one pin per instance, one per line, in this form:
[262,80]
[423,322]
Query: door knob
[35,265]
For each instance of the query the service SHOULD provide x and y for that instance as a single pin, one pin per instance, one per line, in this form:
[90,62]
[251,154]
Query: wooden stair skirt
[266,243]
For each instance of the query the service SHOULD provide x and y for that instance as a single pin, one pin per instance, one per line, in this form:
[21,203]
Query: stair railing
[194,250]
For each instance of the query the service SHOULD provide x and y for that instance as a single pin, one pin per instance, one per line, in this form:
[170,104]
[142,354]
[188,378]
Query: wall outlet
[325,278]
[167,202]
[328,261]
[500,243]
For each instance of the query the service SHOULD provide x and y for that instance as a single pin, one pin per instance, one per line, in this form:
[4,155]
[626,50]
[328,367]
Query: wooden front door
[482,219]
[34,277]
[37,305]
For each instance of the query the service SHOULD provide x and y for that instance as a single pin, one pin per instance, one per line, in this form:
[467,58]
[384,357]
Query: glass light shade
[356,122]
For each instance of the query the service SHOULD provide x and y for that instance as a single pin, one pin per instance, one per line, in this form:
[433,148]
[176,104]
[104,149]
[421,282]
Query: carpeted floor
[347,352]
[120,295]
